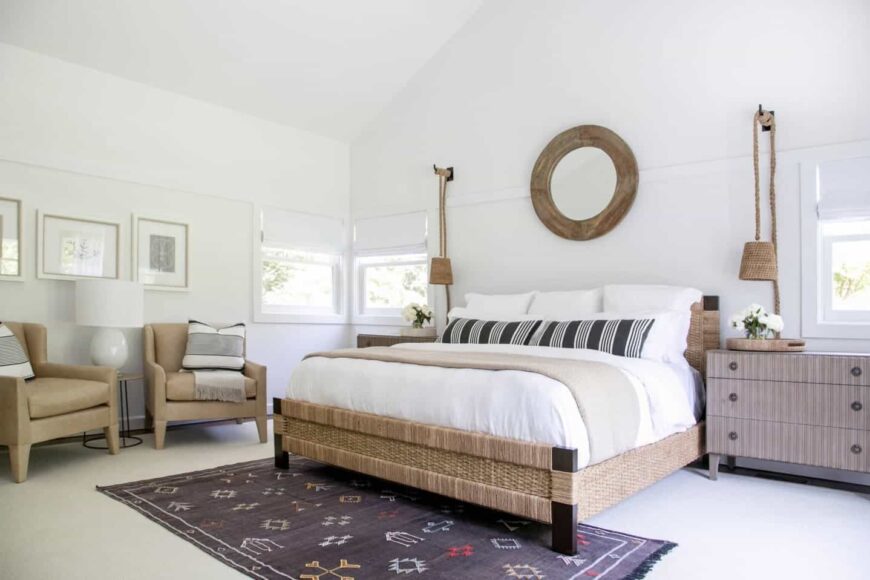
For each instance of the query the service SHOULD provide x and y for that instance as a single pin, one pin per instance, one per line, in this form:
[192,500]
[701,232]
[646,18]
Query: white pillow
[641,297]
[488,306]
[463,312]
[570,305]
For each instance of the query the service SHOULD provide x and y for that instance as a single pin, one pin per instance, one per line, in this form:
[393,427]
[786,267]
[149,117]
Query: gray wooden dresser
[807,408]
[367,340]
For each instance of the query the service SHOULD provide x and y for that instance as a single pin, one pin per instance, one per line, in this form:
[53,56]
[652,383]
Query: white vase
[426,331]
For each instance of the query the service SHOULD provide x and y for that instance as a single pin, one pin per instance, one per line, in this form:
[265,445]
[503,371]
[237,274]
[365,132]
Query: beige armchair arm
[14,413]
[258,373]
[155,376]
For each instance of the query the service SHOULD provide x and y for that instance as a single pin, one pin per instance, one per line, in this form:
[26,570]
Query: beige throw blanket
[219,386]
[606,398]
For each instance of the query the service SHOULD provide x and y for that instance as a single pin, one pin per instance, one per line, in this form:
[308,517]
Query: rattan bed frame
[530,480]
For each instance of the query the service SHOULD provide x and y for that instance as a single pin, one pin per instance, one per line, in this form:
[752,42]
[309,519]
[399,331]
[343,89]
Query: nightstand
[806,408]
[367,340]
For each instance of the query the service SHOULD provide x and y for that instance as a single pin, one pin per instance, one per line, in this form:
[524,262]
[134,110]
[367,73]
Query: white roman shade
[844,189]
[303,231]
[397,233]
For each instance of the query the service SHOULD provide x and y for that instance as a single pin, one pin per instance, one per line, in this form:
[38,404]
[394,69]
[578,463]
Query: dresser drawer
[809,445]
[831,369]
[804,403]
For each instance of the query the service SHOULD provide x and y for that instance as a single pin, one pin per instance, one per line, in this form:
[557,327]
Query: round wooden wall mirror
[584,182]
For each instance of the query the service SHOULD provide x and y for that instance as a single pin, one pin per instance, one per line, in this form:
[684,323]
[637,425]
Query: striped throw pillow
[471,331]
[13,360]
[620,337]
[210,348]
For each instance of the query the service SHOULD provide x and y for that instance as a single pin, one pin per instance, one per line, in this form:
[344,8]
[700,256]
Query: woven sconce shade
[758,262]
[440,271]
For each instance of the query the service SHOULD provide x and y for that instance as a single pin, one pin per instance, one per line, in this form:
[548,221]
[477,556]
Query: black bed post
[282,458]
[564,515]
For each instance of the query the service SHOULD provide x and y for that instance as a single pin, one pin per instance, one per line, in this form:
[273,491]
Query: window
[389,283]
[391,266]
[300,281]
[846,271]
[835,217]
[298,268]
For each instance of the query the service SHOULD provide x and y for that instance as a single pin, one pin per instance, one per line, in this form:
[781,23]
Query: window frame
[301,314]
[816,291]
[382,316]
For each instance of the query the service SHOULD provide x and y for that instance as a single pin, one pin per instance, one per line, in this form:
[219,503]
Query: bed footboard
[530,480]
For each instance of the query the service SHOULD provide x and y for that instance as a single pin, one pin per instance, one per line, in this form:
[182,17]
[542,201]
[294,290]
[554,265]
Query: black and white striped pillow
[13,359]
[471,331]
[210,348]
[620,337]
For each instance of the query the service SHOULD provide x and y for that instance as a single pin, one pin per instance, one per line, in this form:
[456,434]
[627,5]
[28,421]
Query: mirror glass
[583,183]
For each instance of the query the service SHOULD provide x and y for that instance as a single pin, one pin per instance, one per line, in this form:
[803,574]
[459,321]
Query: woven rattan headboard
[703,332]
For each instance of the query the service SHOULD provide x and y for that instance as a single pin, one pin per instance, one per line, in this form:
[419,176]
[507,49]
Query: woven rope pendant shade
[440,271]
[758,262]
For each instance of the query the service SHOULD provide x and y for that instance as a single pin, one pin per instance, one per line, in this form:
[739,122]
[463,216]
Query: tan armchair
[61,400]
[170,394]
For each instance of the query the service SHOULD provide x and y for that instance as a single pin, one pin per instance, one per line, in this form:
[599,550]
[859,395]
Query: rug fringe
[646,567]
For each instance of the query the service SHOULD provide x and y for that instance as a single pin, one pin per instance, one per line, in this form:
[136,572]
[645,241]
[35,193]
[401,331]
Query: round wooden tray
[767,344]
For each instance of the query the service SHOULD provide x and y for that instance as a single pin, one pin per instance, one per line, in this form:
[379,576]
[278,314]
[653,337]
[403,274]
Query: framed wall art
[70,248]
[11,240]
[160,253]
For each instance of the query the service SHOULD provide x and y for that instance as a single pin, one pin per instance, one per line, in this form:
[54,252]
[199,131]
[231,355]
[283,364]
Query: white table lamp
[109,305]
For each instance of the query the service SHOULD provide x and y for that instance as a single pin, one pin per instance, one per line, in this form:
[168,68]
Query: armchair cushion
[180,387]
[14,361]
[47,397]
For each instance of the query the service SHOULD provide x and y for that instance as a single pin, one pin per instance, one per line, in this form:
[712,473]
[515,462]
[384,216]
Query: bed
[544,470]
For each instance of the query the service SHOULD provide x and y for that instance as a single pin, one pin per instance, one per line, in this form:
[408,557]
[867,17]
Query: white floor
[57,526]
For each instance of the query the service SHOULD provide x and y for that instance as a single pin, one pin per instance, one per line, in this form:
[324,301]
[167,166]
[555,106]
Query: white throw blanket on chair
[219,386]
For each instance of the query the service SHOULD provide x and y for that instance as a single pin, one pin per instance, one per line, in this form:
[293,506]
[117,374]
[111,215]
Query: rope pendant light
[440,269]
[759,260]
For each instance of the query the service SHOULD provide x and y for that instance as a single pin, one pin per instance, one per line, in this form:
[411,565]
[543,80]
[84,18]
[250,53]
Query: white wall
[82,143]
[678,81]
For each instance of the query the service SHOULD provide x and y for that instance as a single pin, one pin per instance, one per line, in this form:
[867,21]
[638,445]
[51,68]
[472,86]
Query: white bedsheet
[513,404]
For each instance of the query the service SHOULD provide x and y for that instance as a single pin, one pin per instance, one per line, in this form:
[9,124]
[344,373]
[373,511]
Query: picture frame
[11,240]
[69,248]
[161,253]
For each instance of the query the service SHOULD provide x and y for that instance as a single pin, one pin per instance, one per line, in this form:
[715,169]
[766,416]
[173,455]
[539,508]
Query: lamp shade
[109,303]
[440,271]
[759,262]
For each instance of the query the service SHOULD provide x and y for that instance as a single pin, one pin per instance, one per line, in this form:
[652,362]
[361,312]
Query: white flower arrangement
[756,322]
[417,314]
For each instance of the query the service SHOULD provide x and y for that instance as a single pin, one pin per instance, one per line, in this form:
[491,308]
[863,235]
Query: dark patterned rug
[314,522]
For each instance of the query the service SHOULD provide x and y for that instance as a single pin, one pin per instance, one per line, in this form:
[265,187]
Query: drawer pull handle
[732,397]
[856,449]
[732,436]
[856,371]
[733,366]
[857,406]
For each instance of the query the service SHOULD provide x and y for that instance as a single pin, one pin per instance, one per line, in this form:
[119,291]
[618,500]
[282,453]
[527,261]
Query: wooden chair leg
[112,441]
[149,420]
[19,457]
[159,434]
[282,458]
[261,428]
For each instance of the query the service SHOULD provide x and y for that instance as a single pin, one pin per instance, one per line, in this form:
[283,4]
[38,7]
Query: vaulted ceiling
[326,66]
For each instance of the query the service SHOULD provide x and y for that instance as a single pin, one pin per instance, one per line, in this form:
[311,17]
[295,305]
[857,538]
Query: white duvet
[513,404]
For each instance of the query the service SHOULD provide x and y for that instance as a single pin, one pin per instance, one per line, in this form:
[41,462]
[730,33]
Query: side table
[124,427]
